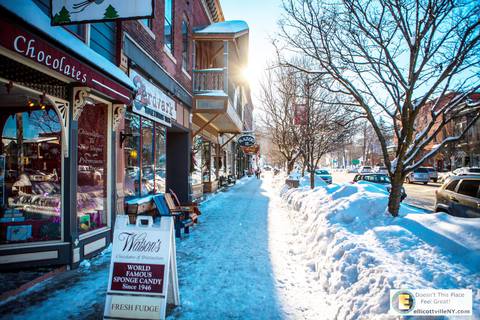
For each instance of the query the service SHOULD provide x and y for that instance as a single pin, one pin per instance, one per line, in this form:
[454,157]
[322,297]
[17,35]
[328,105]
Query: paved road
[417,194]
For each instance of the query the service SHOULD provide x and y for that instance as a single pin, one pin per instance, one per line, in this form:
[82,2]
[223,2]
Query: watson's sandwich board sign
[78,11]
[143,270]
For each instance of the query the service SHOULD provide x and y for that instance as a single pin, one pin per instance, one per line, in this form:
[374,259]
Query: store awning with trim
[109,79]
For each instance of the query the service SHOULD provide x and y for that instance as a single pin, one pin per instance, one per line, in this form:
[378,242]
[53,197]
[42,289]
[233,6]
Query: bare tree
[394,58]
[277,97]
[326,124]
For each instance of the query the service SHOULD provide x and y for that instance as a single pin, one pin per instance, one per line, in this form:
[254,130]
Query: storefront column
[178,164]
[78,100]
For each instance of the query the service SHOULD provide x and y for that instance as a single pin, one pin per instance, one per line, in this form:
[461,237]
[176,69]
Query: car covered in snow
[378,179]
[466,171]
[459,196]
[325,175]
[418,175]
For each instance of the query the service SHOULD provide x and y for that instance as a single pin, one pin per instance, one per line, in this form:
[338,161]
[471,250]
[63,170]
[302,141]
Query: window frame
[185,44]
[464,181]
[170,45]
[155,125]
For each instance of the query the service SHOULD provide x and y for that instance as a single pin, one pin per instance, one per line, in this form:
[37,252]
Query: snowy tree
[393,59]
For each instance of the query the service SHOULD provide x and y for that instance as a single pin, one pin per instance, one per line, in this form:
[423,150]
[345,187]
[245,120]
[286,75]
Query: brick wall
[194,11]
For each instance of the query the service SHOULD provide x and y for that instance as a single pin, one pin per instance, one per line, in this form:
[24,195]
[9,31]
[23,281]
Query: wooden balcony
[206,80]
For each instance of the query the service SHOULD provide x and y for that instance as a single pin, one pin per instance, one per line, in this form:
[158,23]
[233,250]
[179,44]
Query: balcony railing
[208,80]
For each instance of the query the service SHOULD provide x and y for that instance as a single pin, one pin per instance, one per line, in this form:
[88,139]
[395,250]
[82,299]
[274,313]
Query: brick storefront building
[74,153]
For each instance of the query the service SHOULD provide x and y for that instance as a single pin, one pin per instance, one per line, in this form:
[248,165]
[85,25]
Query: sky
[262,17]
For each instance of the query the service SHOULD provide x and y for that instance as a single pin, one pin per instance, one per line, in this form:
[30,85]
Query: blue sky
[262,17]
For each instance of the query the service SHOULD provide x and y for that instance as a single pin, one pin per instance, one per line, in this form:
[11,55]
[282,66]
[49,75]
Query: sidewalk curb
[24,287]
[418,207]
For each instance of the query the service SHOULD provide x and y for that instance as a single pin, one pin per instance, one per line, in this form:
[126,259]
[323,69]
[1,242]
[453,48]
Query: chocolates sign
[143,272]
[42,52]
[151,102]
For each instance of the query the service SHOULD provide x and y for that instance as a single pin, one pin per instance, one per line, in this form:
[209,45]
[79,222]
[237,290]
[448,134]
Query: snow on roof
[29,12]
[225,27]
[212,93]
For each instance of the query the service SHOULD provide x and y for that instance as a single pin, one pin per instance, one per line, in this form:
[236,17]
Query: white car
[463,171]
[365,169]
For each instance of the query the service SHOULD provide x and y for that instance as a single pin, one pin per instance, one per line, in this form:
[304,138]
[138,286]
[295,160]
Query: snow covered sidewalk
[240,262]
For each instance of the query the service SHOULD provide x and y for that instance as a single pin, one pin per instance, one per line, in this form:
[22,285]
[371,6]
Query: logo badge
[403,301]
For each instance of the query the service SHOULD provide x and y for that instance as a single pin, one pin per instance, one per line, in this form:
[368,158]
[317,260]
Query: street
[419,195]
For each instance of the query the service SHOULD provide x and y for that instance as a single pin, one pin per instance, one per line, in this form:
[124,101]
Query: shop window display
[148,168]
[160,159]
[145,157]
[132,153]
[30,174]
[92,168]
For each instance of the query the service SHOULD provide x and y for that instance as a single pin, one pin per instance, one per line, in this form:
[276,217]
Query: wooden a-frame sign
[143,269]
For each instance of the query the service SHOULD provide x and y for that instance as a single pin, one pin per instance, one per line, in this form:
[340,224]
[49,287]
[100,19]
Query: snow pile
[359,252]
[305,180]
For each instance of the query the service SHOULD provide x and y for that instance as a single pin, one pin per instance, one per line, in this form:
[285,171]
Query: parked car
[325,175]
[365,169]
[418,175]
[380,179]
[382,170]
[467,171]
[459,196]
[432,173]
[459,172]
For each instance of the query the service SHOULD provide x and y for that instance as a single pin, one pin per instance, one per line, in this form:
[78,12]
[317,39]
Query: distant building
[465,152]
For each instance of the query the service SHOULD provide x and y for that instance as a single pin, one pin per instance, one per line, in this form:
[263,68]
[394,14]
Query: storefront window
[92,168]
[207,162]
[160,159]
[148,169]
[145,144]
[196,161]
[131,147]
[30,175]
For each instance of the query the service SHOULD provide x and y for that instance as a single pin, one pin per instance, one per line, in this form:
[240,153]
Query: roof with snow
[30,13]
[233,29]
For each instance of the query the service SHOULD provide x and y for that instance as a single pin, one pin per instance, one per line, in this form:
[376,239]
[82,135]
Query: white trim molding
[81,96]
[118,113]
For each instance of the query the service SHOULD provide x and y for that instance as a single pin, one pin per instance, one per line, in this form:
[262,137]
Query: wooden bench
[181,218]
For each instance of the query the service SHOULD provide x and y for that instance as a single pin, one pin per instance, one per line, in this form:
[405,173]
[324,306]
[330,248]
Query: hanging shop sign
[300,114]
[40,51]
[143,269]
[246,140]
[79,11]
[251,149]
[151,102]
